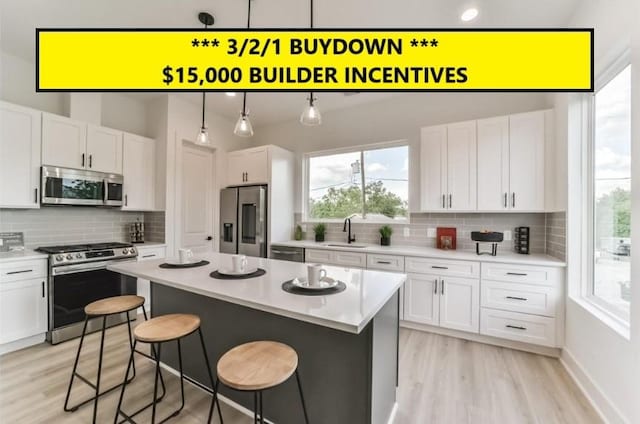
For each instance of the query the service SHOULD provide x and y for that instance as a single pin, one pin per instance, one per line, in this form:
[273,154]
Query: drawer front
[519,327]
[320,256]
[442,267]
[521,274]
[350,259]
[526,298]
[385,262]
[151,253]
[23,270]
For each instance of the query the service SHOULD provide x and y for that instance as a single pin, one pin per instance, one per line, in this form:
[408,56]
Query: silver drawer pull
[517,298]
[439,267]
[282,252]
[519,274]
[149,256]
[19,272]
[515,327]
[383,262]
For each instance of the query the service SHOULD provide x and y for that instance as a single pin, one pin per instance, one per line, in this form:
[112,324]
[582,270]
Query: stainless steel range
[77,277]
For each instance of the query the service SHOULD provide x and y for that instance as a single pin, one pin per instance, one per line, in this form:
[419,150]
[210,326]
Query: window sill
[613,322]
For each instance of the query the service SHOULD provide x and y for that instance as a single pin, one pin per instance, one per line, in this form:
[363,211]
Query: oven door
[72,287]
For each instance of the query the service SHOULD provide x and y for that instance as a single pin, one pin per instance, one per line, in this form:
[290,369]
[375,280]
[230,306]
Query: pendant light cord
[244,95]
[203,92]
[311,21]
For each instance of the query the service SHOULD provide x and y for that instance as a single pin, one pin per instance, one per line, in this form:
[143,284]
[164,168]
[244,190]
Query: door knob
[209,238]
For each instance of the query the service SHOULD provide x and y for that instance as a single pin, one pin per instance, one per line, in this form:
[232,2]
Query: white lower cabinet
[336,257]
[148,253]
[421,299]
[519,327]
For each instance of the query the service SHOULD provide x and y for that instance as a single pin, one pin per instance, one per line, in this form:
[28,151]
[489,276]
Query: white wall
[125,113]
[396,118]
[606,364]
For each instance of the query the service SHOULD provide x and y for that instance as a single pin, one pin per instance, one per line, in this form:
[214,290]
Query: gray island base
[347,378]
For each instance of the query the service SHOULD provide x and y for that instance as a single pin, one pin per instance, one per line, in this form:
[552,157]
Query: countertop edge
[25,255]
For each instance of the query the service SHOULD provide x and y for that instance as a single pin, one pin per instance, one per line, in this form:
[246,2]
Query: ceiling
[19,18]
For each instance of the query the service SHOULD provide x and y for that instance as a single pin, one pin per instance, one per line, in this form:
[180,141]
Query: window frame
[359,148]
[618,315]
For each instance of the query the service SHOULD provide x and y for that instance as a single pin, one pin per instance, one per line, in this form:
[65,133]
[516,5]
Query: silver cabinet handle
[450,202]
[517,298]
[153,255]
[513,199]
[282,252]
[442,287]
[383,262]
[519,274]
[439,267]
[505,200]
[515,327]
[435,284]
[19,272]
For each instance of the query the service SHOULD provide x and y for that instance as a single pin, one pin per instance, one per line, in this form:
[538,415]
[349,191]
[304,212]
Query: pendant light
[203,136]
[311,115]
[243,126]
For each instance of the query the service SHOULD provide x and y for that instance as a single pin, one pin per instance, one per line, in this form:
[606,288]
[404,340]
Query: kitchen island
[347,342]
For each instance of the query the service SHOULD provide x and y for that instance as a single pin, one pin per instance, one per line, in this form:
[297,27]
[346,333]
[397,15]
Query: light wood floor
[442,380]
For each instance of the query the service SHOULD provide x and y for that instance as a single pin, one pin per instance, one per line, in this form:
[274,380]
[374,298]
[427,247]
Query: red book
[446,238]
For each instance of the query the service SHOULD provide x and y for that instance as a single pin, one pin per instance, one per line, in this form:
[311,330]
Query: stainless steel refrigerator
[243,220]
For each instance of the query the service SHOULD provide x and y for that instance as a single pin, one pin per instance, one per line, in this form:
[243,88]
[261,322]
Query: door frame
[180,141]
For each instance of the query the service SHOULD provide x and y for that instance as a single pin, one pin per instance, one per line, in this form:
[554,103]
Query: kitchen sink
[357,246]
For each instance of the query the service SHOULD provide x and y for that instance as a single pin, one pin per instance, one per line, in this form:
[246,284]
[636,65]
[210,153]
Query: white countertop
[504,256]
[23,255]
[351,310]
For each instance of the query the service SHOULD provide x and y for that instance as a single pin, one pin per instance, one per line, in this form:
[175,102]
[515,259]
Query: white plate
[226,271]
[325,283]
[175,261]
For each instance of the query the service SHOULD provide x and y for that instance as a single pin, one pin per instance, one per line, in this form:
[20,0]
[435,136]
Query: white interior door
[197,203]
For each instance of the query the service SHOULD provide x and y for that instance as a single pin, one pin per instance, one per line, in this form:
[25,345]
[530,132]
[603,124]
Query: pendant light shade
[311,115]
[203,137]
[243,127]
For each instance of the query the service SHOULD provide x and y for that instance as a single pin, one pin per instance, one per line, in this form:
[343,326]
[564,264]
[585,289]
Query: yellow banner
[325,60]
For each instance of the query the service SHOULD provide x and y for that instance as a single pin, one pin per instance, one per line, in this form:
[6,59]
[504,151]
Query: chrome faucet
[347,228]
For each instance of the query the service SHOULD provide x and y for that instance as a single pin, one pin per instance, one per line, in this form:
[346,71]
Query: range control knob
[78,256]
[59,257]
[132,250]
[69,257]
[125,251]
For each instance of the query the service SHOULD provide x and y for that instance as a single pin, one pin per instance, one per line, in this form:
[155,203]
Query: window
[372,184]
[610,204]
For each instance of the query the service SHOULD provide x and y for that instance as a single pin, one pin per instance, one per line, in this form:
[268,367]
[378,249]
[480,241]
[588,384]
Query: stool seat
[166,328]
[114,305]
[257,365]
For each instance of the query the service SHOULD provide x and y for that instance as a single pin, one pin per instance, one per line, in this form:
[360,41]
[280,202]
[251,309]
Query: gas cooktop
[82,247]
[79,253]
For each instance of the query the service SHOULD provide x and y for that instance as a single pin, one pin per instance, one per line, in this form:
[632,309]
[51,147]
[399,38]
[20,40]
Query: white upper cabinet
[64,142]
[493,164]
[448,167]
[433,158]
[104,149]
[74,144]
[526,161]
[138,169]
[19,156]
[248,166]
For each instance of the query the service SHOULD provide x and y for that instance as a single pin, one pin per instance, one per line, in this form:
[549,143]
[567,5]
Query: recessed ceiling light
[469,14]
[230,94]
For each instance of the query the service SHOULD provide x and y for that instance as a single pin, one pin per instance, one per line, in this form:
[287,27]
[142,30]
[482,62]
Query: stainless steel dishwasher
[287,253]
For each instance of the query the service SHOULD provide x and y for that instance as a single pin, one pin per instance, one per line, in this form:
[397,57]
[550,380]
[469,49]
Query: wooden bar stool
[256,367]
[157,331]
[104,308]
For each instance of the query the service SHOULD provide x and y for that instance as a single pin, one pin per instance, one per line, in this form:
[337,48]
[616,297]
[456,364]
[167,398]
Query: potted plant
[385,235]
[320,230]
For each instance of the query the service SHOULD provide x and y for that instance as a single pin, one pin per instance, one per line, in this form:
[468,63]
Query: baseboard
[22,343]
[480,338]
[594,394]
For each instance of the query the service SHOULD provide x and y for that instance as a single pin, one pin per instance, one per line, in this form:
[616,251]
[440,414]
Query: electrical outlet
[507,235]
[406,232]
[431,233]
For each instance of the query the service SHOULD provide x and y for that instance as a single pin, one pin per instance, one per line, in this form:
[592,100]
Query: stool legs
[304,407]
[95,404]
[214,385]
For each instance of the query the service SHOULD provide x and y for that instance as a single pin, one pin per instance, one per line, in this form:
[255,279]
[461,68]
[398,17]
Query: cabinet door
[493,164]
[64,142]
[319,256]
[236,168]
[421,300]
[460,304]
[256,166]
[19,156]
[461,166]
[23,309]
[526,161]
[104,150]
[138,169]
[433,159]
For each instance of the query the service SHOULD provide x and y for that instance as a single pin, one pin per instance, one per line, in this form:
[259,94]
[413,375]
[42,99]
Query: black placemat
[215,274]
[289,287]
[193,265]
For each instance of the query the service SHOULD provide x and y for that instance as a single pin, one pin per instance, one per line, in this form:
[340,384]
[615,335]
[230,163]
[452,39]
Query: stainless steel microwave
[66,186]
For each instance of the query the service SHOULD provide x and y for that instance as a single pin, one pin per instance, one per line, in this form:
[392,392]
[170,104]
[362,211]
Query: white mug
[239,263]
[186,255]
[315,273]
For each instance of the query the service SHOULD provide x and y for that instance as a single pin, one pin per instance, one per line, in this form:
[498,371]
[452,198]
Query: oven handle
[93,266]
